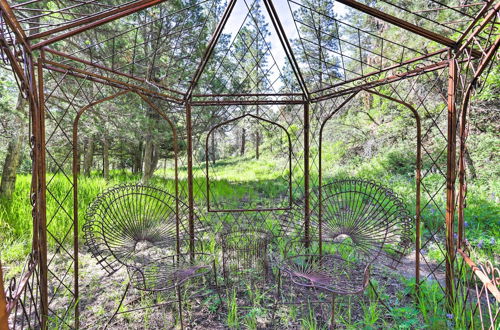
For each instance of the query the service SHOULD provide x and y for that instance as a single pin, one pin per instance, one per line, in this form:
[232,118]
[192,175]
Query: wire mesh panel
[285,176]
[245,92]
[69,100]
[245,256]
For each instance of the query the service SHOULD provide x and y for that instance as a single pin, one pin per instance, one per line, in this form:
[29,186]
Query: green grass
[261,182]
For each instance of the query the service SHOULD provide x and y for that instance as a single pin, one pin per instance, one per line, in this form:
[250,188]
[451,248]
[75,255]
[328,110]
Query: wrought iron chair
[145,229]
[370,215]
[358,222]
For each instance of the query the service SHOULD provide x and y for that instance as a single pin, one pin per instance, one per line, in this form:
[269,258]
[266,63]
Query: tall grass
[261,183]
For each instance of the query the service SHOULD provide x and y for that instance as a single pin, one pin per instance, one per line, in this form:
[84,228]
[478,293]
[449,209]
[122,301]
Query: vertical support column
[461,171]
[450,177]
[4,318]
[74,167]
[418,181]
[189,133]
[42,212]
[36,105]
[307,213]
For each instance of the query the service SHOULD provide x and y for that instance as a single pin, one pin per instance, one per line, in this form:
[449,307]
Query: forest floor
[390,303]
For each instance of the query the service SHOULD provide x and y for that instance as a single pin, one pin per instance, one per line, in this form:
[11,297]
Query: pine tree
[318,43]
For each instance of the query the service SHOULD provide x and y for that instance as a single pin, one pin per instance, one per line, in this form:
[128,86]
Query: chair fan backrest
[371,216]
[134,224]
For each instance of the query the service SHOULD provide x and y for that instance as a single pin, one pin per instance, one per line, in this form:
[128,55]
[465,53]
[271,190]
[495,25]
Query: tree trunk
[105,158]
[257,144]
[13,156]
[88,159]
[147,163]
[10,167]
[243,141]
[155,159]
[137,165]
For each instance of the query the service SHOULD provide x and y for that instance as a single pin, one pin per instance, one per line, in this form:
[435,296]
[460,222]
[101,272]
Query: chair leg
[378,297]
[179,299]
[332,322]
[119,305]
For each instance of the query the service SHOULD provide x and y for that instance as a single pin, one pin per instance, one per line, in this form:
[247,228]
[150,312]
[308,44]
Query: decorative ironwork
[324,266]
[145,229]
[360,220]
[135,224]
[373,217]
[245,256]
[189,79]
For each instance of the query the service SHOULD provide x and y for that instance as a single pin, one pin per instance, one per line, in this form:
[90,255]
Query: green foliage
[232,311]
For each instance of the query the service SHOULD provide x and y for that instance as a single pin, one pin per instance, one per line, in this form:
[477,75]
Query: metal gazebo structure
[88,53]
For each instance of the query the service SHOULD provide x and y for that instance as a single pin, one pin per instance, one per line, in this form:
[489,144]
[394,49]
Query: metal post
[179,300]
[450,178]
[39,126]
[332,323]
[189,133]
[306,175]
[4,317]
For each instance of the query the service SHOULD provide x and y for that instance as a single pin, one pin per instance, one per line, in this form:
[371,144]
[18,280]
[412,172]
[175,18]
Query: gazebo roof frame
[18,18]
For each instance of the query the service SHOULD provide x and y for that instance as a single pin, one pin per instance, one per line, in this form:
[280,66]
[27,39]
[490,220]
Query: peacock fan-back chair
[369,216]
[146,230]
[359,221]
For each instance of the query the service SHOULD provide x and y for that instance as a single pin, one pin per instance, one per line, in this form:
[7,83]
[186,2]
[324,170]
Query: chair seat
[328,272]
[168,272]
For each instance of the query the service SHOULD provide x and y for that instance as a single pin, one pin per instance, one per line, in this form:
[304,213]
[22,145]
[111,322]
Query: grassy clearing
[261,182]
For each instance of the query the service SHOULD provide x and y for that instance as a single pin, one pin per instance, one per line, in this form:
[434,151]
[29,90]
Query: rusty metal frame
[450,177]
[101,19]
[56,66]
[75,178]
[284,40]
[210,47]
[485,61]
[106,69]
[402,24]
[207,166]
[478,291]
[4,315]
